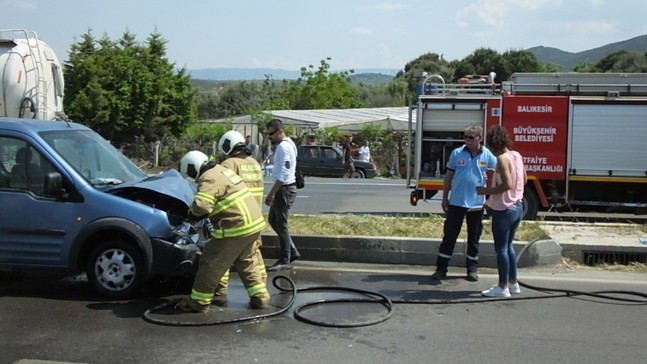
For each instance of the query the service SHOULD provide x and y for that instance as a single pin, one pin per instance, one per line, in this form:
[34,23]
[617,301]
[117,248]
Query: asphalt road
[382,196]
[48,318]
[56,318]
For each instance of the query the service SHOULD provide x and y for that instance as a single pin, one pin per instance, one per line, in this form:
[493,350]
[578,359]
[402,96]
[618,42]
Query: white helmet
[229,141]
[191,163]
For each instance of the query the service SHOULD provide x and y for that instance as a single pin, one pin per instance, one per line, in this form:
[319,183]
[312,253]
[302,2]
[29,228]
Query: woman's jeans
[504,226]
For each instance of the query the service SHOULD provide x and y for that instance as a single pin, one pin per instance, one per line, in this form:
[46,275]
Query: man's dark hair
[276,123]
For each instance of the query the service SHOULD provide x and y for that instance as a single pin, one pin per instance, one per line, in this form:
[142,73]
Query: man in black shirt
[349,166]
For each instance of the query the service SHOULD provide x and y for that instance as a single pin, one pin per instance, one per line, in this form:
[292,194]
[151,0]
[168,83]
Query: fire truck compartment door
[452,117]
[608,140]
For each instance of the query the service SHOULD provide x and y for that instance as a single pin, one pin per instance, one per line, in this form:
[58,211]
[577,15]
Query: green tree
[238,99]
[517,61]
[318,89]
[125,89]
[328,135]
[622,61]
[549,67]
[481,62]
[431,63]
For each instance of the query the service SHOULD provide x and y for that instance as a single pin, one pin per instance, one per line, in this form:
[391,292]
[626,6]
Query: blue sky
[290,34]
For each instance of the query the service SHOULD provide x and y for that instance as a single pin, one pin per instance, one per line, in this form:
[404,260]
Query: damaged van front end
[176,247]
[72,201]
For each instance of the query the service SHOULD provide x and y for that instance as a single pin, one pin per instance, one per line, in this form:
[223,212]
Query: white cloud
[23,5]
[488,12]
[388,6]
[597,2]
[362,31]
[590,27]
[537,4]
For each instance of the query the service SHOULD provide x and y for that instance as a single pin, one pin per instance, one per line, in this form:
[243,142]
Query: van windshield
[93,157]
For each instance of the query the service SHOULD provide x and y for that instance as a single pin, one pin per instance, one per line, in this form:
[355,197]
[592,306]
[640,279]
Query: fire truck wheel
[530,205]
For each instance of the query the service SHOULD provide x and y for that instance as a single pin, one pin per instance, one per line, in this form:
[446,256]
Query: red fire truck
[582,136]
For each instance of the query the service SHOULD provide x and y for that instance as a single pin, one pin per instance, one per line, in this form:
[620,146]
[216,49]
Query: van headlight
[198,233]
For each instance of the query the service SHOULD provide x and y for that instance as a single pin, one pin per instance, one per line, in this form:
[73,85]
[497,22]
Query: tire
[115,269]
[530,205]
[358,174]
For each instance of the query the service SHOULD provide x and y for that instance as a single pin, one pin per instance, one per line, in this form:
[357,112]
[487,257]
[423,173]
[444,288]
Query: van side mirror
[54,185]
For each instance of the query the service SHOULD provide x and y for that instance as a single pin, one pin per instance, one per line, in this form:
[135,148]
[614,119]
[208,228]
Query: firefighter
[237,221]
[238,158]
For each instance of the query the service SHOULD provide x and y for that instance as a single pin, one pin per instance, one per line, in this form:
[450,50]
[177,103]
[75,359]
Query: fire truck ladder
[38,106]
[578,84]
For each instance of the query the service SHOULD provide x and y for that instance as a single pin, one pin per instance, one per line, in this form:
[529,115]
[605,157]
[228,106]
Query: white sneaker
[496,291]
[514,288]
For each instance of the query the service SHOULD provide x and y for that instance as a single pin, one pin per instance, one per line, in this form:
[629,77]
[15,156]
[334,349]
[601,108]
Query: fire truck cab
[581,136]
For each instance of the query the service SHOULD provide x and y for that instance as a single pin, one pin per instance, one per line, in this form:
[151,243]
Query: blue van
[71,201]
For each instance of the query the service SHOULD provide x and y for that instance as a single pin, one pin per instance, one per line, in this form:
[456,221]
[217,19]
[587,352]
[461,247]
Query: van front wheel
[115,269]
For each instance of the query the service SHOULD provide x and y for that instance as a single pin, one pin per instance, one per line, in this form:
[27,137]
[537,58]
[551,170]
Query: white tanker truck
[31,78]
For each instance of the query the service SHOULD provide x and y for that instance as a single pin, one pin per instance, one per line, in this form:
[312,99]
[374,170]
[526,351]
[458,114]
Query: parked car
[328,161]
[71,201]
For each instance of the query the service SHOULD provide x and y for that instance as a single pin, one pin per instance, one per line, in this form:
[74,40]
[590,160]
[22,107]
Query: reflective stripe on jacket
[231,207]
[251,172]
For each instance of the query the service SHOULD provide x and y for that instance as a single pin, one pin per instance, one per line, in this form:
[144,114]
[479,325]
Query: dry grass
[421,227]
[398,226]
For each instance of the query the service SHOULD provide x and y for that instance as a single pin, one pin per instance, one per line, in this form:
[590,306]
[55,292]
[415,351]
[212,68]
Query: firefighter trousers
[216,259]
[256,260]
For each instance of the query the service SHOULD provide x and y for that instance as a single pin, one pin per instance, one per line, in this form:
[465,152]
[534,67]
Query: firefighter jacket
[251,172]
[230,205]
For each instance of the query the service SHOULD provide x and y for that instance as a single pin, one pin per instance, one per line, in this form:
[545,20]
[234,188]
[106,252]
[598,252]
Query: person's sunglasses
[469,137]
[270,133]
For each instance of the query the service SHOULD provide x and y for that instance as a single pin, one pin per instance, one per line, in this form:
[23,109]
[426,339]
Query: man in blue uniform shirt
[467,168]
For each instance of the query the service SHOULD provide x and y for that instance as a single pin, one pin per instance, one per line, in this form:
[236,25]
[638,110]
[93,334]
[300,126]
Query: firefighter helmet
[191,163]
[231,141]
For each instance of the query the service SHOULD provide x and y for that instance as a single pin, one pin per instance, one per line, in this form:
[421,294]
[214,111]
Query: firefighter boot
[259,301]
[189,305]
[220,300]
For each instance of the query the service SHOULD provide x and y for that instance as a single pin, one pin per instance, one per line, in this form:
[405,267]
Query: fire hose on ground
[371,297]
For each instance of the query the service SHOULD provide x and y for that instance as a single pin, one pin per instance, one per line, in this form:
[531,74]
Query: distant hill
[569,60]
[377,76]
[366,75]
[371,78]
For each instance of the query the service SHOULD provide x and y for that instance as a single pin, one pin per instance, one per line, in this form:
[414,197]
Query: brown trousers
[220,254]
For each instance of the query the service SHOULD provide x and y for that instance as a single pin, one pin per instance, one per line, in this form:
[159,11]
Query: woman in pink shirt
[504,205]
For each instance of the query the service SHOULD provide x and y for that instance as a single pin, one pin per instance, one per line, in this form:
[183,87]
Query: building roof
[388,118]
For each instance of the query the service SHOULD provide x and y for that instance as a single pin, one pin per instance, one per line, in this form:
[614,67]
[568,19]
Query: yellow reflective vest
[230,205]
[250,170]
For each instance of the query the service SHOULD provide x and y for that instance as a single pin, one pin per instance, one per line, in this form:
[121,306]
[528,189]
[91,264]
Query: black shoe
[439,275]
[279,266]
[472,276]
[294,257]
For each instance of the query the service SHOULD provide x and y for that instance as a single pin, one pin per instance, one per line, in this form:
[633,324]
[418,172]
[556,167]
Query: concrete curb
[412,251]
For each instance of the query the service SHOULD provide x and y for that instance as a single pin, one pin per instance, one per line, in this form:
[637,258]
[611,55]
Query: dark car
[328,161]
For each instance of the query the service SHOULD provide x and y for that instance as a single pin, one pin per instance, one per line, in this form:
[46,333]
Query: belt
[291,184]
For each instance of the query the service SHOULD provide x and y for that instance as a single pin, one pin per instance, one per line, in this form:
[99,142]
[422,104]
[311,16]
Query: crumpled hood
[167,191]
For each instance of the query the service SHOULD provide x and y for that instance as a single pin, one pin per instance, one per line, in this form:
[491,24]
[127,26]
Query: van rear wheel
[115,269]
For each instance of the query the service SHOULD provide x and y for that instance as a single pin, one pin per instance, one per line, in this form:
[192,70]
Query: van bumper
[174,259]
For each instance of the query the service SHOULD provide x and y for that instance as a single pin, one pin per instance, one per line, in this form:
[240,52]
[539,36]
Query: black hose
[569,292]
[374,297]
[147,315]
[371,297]
[607,295]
